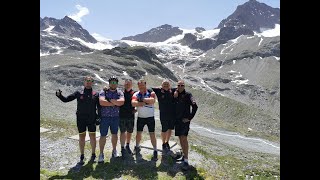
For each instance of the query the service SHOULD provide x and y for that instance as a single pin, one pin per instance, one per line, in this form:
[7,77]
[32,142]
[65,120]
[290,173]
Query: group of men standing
[115,109]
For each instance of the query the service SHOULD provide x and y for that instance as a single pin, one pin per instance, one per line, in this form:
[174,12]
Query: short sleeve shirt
[111,111]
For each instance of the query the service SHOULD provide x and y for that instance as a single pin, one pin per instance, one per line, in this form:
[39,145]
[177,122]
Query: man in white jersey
[144,101]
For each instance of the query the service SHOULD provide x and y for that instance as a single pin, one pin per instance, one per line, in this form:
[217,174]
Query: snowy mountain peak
[252,15]
[67,19]
[200,29]
[70,27]
[164,27]
[47,22]
[158,34]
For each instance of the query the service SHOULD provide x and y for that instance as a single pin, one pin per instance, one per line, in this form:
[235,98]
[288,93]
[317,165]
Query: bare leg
[153,140]
[114,140]
[184,145]
[82,142]
[138,137]
[163,137]
[123,138]
[102,142]
[129,137]
[93,142]
[169,132]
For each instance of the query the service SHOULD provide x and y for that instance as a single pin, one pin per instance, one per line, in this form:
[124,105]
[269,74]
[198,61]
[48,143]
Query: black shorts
[126,124]
[167,123]
[181,128]
[167,120]
[146,121]
[86,122]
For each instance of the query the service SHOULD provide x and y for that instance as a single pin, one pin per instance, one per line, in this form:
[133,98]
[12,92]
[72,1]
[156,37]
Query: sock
[82,156]
[127,144]
[155,148]
[137,145]
[186,160]
[122,147]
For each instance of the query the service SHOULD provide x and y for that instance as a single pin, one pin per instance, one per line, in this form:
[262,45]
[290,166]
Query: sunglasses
[180,85]
[113,82]
[89,80]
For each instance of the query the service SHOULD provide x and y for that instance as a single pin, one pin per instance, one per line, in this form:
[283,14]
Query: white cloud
[82,12]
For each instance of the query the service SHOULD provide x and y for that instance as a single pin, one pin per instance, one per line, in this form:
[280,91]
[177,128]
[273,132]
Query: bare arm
[117,102]
[151,99]
[98,109]
[135,103]
[104,102]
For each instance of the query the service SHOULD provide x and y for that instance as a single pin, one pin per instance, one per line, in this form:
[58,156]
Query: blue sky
[115,19]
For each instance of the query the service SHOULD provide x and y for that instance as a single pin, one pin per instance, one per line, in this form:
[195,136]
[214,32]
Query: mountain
[248,19]
[67,27]
[235,61]
[57,43]
[252,15]
[70,27]
[66,71]
[58,36]
[234,69]
[64,35]
[246,69]
[46,22]
[158,34]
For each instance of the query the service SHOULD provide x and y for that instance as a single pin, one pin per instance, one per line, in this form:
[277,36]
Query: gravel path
[246,143]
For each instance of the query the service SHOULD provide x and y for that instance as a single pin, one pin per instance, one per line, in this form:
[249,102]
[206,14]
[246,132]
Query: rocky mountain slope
[237,63]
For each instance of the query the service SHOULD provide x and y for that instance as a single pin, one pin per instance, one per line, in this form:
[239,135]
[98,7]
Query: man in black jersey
[167,109]
[88,108]
[183,101]
[126,118]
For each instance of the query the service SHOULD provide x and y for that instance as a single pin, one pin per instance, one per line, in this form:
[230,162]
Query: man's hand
[185,120]
[142,104]
[113,101]
[143,100]
[105,88]
[175,94]
[134,111]
[58,92]
[108,99]
[140,99]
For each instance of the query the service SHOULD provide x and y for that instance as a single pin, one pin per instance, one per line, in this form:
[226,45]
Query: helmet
[113,78]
